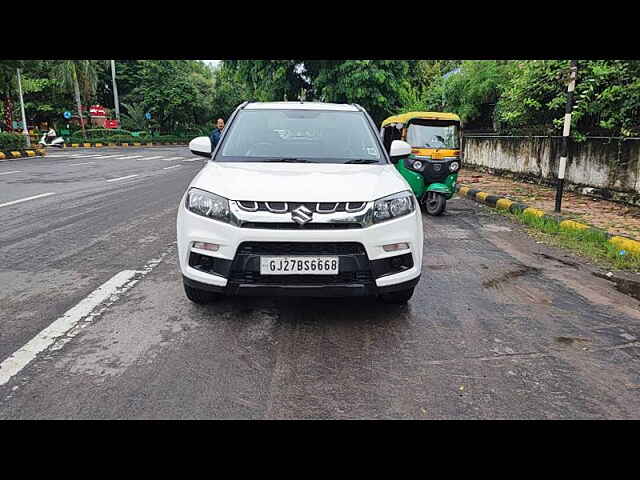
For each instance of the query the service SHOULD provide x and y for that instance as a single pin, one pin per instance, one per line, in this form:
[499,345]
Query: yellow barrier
[481,196]
[504,204]
[571,225]
[625,244]
[533,211]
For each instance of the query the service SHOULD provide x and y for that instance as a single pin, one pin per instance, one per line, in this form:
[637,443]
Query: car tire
[201,297]
[399,297]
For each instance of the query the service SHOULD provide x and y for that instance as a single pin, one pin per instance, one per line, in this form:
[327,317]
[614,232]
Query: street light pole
[565,135]
[24,118]
[115,91]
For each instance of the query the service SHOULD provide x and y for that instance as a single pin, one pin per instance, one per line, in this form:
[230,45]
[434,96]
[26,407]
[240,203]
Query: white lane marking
[129,157]
[62,330]
[152,158]
[26,199]
[121,178]
[172,158]
[14,171]
[174,166]
[190,159]
[85,163]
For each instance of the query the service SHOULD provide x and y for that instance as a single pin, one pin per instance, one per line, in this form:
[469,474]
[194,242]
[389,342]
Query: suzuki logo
[301,215]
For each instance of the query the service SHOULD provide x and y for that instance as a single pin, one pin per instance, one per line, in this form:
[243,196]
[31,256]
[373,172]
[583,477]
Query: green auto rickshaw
[432,167]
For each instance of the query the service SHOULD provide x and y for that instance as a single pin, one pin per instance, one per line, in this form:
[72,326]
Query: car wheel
[435,203]
[401,296]
[200,297]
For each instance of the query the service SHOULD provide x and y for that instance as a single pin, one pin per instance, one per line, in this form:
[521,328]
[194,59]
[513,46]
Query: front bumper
[364,265]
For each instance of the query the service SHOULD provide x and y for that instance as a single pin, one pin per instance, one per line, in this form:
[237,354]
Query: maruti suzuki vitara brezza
[299,198]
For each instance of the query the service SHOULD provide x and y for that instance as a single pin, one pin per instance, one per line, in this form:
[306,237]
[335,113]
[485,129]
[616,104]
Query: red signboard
[97,111]
[111,124]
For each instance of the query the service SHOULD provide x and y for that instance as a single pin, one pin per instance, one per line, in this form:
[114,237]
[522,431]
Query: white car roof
[297,105]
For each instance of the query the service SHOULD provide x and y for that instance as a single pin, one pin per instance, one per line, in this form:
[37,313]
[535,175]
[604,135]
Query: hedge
[11,141]
[131,140]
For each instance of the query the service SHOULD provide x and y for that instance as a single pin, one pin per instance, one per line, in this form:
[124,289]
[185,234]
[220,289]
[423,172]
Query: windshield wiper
[289,160]
[362,160]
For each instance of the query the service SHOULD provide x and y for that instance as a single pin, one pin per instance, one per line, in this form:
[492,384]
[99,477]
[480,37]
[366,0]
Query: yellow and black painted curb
[22,154]
[135,144]
[503,203]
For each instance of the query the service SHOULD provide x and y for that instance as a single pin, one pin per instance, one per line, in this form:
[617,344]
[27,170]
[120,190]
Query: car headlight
[208,205]
[393,206]
[453,166]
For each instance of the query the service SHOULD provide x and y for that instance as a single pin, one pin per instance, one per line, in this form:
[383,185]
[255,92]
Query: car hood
[304,182]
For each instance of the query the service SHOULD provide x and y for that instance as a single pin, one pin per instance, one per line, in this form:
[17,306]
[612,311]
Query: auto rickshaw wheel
[435,203]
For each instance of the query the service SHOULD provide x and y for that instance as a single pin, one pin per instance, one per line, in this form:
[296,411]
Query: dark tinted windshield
[300,135]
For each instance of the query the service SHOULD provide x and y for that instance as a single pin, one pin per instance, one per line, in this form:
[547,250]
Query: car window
[312,135]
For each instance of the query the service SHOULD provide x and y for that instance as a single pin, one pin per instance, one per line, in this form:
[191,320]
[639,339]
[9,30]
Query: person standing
[215,134]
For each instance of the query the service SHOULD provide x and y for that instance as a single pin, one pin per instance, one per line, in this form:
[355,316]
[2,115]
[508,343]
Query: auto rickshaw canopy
[406,117]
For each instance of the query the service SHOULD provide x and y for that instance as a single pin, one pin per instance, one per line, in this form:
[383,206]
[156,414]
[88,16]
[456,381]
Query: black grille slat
[306,226]
[340,279]
[301,248]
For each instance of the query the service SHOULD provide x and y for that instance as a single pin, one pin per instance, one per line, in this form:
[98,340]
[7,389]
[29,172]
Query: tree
[374,84]
[77,74]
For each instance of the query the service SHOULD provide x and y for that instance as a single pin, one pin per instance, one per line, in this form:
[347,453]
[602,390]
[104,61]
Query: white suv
[299,199]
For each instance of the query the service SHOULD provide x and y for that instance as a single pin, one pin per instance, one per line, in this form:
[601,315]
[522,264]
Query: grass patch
[592,244]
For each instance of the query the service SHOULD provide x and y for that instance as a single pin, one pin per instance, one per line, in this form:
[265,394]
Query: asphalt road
[499,326]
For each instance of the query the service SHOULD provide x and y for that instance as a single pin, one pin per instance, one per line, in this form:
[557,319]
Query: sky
[212,62]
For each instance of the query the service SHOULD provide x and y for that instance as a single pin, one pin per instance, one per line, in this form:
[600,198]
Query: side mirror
[399,149]
[201,146]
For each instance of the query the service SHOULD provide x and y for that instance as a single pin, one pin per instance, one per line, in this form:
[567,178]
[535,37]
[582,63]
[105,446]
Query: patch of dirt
[522,270]
[610,216]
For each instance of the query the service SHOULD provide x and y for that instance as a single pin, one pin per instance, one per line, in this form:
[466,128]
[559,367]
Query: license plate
[299,265]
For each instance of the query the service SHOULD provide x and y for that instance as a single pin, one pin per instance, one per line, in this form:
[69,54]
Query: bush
[129,139]
[11,141]
[94,133]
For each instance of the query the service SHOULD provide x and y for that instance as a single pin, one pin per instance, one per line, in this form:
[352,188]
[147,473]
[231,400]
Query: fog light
[212,247]
[394,247]
[396,262]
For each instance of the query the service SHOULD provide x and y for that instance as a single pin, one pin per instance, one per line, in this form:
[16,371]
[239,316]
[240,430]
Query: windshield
[433,134]
[315,136]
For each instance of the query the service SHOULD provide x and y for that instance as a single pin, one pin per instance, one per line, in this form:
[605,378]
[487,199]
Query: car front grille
[354,265]
[286,207]
[344,278]
[306,226]
[301,248]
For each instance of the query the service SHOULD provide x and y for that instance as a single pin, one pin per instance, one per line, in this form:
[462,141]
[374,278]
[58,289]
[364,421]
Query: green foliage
[377,85]
[11,141]
[134,117]
[186,96]
[100,133]
[590,243]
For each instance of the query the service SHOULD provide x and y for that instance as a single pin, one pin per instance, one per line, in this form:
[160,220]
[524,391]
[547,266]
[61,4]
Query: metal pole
[24,118]
[115,91]
[565,135]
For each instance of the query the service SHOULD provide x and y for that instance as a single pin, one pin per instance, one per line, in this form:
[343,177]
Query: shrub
[94,133]
[11,141]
